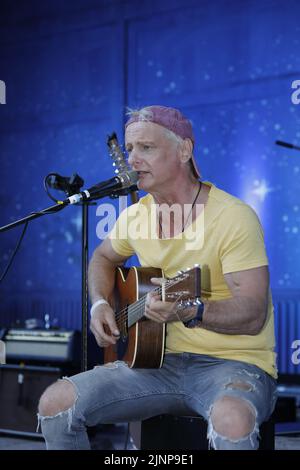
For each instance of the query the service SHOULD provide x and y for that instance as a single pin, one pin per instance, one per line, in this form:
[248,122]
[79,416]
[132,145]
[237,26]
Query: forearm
[101,278]
[235,316]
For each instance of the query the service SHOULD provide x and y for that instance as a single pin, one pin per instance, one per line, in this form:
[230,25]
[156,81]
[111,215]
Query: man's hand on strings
[156,309]
[103,326]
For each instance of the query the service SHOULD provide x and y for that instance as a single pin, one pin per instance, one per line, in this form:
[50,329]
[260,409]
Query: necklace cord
[193,204]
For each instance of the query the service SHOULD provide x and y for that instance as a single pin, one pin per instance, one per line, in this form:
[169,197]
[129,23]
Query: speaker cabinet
[20,391]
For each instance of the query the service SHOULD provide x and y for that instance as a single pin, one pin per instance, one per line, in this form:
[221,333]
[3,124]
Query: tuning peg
[188,269]
[179,273]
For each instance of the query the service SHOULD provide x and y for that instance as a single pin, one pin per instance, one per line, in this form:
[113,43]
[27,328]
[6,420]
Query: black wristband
[197,319]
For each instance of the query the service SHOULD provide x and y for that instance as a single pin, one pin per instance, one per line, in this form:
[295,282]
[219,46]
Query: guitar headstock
[121,166]
[185,287]
[116,153]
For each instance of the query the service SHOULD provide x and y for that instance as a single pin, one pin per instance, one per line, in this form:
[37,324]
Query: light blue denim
[186,384]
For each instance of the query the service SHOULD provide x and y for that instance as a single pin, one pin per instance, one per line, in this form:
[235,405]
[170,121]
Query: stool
[189,433]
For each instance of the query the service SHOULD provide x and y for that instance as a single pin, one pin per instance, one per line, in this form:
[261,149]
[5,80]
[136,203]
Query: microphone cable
[46,187]
[60,205]
[17,247]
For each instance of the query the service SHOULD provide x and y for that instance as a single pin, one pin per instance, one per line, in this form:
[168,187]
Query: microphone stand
[34,215]
[84,285]
[84,253]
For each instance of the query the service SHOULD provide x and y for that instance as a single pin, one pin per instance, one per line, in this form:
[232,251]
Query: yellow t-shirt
[226,237]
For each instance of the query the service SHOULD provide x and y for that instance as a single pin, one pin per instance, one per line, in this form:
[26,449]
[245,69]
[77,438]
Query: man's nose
[133,158]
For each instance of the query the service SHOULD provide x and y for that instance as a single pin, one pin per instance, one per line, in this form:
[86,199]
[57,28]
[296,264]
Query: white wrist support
[95,305]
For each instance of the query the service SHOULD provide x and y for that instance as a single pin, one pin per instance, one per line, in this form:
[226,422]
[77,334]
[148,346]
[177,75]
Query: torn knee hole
[232,418]
[59,397]
[245,386]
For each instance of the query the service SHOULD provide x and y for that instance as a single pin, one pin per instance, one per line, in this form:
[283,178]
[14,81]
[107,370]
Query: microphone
[105,188]
[287,145]
[69,184]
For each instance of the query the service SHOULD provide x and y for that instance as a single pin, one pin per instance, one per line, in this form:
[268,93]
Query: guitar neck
[136,310]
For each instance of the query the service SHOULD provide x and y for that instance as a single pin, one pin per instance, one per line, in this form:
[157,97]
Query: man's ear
[186,150]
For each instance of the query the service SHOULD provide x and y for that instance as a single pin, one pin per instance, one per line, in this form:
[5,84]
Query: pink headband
[171,119]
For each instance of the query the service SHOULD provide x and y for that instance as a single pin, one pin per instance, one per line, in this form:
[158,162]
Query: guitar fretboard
[136,310]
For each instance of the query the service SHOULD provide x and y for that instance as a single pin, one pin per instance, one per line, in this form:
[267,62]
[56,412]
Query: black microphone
[287,145]
[105,188]
[69,184]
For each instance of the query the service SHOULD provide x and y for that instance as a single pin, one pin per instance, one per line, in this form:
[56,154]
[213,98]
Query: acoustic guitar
[142,341]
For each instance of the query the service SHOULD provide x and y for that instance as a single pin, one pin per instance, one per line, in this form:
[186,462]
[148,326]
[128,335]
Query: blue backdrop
[72,67]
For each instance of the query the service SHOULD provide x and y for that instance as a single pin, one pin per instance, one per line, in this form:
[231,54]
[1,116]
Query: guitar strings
[140,301]
[122,315]
[138,304]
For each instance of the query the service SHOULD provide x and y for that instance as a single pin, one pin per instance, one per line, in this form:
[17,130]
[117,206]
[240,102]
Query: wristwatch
[198,318]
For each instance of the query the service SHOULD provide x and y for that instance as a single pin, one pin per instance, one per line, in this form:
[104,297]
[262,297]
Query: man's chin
[143,184]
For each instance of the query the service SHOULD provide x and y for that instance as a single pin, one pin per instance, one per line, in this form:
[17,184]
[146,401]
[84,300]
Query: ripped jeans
[186,384]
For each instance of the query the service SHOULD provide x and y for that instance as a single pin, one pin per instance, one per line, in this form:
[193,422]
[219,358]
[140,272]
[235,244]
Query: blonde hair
[143,114]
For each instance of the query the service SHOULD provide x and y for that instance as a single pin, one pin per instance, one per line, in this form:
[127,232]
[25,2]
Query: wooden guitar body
[142,344]
[142,341]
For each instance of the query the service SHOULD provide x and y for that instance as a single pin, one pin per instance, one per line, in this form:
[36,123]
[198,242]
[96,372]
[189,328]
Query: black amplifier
[53,346]
[20,391]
